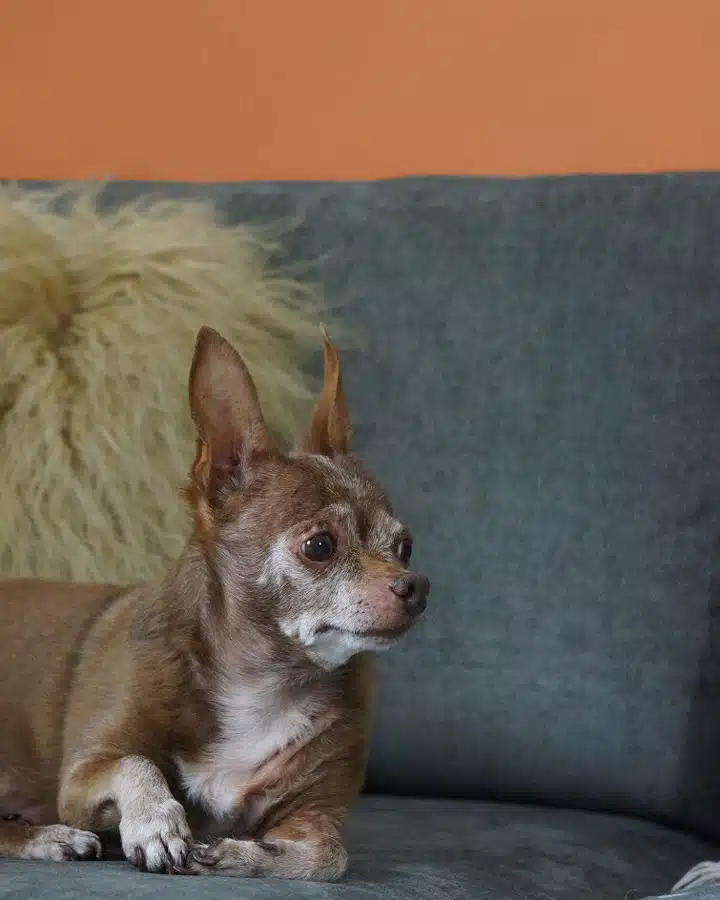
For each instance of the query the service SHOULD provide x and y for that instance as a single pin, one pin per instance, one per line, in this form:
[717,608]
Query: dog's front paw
[61,843]
[156,839]
[229,857]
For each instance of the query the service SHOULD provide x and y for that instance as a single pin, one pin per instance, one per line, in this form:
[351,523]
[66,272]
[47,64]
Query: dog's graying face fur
[308,539]
[314,542]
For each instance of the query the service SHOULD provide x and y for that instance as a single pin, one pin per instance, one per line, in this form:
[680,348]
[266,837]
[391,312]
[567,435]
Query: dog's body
[235,697]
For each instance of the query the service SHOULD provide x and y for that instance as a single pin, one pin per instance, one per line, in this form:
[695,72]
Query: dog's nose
[412,590]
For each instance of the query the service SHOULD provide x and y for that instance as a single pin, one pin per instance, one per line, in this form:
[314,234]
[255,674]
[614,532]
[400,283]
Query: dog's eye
[319,548]
[404,550]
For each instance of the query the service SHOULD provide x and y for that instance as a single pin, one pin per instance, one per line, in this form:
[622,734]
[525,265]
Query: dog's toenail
[269,848]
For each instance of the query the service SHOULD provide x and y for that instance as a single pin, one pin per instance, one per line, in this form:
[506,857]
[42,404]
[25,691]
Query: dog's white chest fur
[254,725]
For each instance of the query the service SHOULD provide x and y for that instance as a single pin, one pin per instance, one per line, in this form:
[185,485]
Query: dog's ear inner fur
[227,414]
[330,430]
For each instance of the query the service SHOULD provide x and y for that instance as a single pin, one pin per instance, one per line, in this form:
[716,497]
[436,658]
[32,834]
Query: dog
[218,720]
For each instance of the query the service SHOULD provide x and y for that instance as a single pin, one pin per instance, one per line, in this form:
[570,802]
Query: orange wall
[253,89]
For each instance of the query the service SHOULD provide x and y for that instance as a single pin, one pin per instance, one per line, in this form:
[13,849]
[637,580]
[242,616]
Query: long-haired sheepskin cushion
[98,316]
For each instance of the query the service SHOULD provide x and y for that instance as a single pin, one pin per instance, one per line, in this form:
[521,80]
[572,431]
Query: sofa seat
[412,849]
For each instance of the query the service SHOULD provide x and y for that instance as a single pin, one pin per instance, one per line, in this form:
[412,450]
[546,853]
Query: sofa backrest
[540,392]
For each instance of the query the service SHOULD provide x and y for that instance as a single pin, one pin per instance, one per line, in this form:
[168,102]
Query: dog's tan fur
[232,700]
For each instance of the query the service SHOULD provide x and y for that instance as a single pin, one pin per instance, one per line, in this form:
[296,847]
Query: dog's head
[306,540]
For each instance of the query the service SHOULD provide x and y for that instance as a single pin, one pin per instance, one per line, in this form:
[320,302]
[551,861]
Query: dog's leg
[153,829]
[306,846]
[302,837]
[51,842]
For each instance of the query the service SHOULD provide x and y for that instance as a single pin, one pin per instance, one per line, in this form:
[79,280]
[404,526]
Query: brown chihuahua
[221,718]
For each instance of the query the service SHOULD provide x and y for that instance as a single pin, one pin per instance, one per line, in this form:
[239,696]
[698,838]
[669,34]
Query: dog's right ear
[330,430]
[225,408]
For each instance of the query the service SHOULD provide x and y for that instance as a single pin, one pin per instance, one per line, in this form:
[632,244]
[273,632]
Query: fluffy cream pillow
[98,315]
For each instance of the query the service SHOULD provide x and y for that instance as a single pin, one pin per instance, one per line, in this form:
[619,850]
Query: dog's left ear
[330,430]
[225,408]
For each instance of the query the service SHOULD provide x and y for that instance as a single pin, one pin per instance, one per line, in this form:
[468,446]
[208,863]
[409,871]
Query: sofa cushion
[405,849]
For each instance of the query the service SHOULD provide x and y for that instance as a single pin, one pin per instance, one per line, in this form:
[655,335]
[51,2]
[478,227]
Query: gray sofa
[540,392]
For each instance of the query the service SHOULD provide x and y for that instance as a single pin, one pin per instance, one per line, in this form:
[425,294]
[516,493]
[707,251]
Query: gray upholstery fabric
[424,850]
[540,393]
